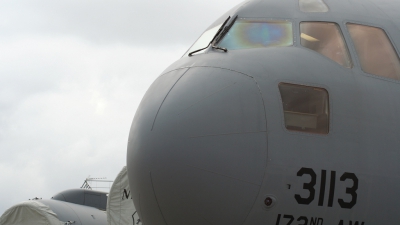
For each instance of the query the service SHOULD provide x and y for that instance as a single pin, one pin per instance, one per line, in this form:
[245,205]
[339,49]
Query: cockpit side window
[305,108]
[326,39]
[245,34]
[204,39]
[375,51]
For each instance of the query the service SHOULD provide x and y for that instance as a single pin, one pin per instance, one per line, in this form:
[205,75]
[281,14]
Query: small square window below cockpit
[326,39]
[305,108]
[375,51]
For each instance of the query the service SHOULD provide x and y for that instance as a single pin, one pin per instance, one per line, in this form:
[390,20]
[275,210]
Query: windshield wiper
[223,33]
[215,36]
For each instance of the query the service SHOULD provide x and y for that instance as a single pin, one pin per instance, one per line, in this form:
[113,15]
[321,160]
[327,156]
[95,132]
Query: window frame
[269,19]
[353,51]
[346,41]
[282,110]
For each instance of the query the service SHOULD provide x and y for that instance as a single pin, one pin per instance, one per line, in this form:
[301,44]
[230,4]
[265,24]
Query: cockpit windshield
[204,39]
[246,34]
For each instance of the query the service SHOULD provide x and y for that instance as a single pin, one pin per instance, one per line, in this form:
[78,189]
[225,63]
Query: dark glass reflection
[305,108]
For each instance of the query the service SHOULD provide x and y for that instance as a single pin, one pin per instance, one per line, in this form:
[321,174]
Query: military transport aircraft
[282,112]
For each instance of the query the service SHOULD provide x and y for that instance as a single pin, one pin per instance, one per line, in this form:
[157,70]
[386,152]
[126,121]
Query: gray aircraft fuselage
[81,206]
[209,145]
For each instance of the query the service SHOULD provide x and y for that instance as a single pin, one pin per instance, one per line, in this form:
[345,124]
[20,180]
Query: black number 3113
[310,187]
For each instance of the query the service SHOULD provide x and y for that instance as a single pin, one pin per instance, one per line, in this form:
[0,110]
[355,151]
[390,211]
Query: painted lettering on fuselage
[286,219]
[310,187]
[125,194]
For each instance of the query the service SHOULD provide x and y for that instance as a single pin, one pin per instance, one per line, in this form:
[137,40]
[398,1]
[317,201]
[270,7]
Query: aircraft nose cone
[197,148]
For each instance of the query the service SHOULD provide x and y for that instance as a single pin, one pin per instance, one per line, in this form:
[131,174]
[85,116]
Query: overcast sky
[72,74]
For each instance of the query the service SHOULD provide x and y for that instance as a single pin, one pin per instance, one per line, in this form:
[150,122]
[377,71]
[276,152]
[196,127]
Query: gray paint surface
[208,142]
[80,214]
[97,199]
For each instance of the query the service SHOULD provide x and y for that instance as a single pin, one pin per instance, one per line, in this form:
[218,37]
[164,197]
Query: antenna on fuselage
[87,183]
